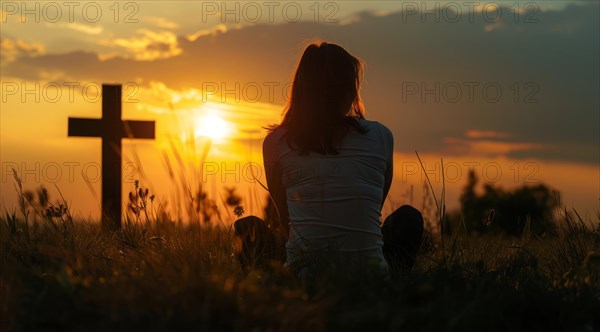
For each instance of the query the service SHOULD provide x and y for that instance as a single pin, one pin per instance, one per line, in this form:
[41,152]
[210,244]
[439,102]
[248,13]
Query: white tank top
[335,201]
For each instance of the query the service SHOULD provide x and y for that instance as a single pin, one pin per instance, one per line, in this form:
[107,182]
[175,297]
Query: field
[58,274]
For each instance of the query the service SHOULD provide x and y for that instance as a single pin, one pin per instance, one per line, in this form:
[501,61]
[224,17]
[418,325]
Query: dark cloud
[547,72]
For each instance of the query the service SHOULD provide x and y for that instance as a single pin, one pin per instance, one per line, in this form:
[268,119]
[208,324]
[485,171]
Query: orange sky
[44,155]
[223,80]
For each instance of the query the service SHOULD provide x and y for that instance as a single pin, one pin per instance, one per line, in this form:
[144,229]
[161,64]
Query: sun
[212,126]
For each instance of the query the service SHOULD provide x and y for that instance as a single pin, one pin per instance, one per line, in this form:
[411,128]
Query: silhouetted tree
[232,199]
[507,211]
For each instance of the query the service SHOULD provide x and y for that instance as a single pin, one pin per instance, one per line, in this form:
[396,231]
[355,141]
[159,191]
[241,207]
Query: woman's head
[325,99]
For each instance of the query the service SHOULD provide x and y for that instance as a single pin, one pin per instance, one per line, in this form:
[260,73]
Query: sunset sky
[511,92]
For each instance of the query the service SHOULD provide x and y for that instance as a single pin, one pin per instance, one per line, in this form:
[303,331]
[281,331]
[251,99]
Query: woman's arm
[389,174]
[273,174]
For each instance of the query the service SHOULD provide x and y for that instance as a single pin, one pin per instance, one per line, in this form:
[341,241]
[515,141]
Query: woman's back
[329,171]
[334,201]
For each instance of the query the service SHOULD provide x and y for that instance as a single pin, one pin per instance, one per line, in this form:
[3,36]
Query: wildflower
[134,209]
[43,196]
[56,212]
[238,211]
[50,212]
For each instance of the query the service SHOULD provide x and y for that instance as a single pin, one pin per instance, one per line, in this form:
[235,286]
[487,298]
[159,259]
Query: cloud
[489,144]
[477,134]
[219,28]
[75,26]
[161,22]
[147,46]
[12,49]
[544,75]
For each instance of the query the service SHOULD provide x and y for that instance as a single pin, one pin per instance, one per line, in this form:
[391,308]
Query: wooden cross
[111,129]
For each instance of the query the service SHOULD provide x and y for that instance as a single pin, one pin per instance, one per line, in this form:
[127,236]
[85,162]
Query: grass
[163,276]
[157,274]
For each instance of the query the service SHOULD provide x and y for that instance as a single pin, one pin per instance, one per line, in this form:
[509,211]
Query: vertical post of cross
[111,129]
[111,156]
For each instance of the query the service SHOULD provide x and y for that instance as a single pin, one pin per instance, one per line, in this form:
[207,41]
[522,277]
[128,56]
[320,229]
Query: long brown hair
[325,100]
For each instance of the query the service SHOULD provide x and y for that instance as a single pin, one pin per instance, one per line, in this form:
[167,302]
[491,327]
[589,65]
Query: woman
[329,171]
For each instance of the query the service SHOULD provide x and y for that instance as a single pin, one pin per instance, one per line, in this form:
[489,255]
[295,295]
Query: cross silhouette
[111,129]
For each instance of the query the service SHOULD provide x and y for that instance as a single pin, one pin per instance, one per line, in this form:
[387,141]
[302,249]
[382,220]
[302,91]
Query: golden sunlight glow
[212,126]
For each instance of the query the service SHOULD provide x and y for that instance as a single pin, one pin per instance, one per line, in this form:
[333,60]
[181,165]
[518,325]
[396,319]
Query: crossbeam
[111,129]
